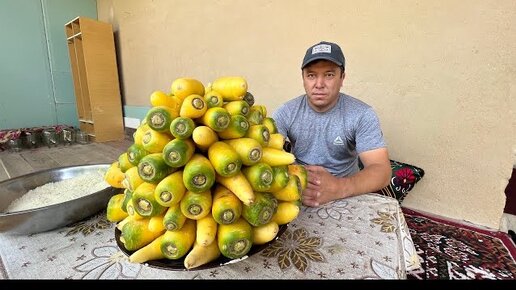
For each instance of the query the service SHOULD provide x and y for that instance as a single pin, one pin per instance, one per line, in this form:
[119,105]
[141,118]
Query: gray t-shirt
[332,139]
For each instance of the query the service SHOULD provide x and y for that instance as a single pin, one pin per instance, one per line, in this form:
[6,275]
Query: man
[330,131]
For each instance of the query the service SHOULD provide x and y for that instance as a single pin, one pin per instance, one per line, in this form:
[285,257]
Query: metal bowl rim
[55,169]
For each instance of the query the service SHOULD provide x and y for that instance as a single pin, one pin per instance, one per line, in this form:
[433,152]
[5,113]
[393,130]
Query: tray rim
[28,175]
[53,216]
[177,265]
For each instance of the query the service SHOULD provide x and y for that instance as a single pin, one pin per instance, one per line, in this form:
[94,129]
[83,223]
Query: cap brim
[319,57]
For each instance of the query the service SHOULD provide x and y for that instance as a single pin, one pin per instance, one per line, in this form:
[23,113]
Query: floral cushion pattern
[404,178]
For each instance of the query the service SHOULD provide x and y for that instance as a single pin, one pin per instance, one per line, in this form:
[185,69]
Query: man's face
[322,81]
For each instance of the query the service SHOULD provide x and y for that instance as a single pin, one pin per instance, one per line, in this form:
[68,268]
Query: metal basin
[52,216]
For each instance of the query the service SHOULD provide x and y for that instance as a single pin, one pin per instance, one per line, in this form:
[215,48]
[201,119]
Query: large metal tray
[52,216]
[178,265]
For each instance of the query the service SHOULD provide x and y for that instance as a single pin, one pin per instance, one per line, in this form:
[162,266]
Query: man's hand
[322,186]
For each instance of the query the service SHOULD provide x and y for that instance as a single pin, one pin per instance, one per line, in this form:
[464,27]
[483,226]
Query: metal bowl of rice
[53,198]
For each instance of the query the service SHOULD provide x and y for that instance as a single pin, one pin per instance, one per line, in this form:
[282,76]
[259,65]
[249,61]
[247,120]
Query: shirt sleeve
[281,119]
[369,134]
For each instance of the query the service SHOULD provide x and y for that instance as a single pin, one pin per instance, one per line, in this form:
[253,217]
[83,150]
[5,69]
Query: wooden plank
[91,154]
[75,74]
[98,79]
[65,156]
[111,152]
[27,161]
[3,172]
[39,160]
[121,146]
[16,165]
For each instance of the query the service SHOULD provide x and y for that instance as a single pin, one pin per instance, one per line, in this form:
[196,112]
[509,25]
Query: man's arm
[323,187]
[376,173]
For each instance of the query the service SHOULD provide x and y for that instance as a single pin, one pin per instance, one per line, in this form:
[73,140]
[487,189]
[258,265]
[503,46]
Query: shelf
[79,34]
[95,77]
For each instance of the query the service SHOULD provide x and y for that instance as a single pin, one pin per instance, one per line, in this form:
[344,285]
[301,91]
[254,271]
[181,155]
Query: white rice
[60,191]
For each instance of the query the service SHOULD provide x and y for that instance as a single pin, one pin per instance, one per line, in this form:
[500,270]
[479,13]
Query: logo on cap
[324,48]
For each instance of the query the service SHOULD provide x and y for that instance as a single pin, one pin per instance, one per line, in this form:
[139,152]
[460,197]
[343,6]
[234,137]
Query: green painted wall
[136,112]
[36,87]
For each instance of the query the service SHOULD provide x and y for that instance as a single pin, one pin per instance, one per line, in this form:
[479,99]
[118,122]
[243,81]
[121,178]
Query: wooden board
[93,60]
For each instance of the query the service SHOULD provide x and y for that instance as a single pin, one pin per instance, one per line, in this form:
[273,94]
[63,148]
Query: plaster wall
[441,75]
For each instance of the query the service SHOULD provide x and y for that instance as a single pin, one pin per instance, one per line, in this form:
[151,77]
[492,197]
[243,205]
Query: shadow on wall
[118,55]
[510,194]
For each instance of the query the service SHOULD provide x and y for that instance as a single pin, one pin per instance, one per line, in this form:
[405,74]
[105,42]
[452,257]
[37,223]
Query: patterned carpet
[452,251]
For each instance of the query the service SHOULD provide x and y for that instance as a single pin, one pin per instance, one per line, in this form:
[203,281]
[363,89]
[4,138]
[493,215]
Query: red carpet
[452,251]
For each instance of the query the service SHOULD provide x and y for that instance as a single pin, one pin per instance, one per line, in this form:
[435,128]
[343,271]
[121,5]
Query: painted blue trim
[135,112]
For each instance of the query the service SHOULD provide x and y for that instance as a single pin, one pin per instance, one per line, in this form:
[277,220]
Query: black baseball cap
[324,50]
